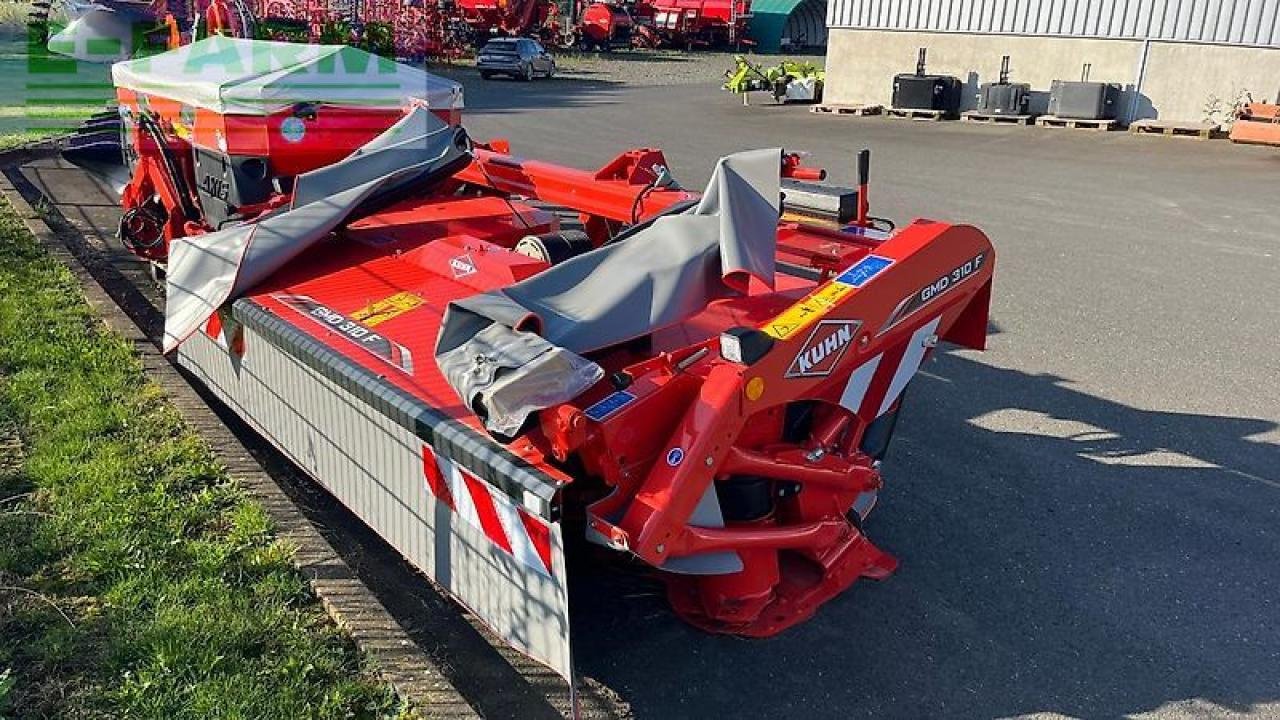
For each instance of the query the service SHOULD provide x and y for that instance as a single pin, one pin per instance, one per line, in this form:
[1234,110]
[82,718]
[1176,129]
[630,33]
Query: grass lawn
[136,581]
[42,94]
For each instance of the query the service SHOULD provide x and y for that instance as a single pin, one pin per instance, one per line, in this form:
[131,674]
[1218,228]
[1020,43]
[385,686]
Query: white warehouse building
[1180,60]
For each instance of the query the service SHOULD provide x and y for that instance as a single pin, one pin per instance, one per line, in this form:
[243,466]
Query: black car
[520,58]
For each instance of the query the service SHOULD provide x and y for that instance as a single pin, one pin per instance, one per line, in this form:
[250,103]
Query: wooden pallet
[973,116]
[1166,128]
[1053,121]
[916,114]
[854,110]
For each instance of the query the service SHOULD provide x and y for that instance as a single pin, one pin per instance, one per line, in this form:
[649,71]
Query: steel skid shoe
[781,587]
[777,588]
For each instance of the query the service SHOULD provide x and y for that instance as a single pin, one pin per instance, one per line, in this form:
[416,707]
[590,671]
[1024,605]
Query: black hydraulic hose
[882,224]
[189,210]
[635,205]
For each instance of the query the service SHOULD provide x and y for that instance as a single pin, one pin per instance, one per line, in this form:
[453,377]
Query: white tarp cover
[259,77]
[96,33]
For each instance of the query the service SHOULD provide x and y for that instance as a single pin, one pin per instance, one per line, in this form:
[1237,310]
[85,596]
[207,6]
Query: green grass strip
[103,85]
[72,104]
[12,137]
[136,580]
[76,112]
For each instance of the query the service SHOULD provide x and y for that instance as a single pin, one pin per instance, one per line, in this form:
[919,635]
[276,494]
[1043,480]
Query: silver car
[520,58]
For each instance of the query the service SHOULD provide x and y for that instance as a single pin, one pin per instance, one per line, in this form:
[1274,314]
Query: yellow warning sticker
[385,309]
[807,311]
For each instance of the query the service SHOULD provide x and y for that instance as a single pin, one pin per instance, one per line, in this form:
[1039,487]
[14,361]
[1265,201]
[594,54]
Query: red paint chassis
[778,402]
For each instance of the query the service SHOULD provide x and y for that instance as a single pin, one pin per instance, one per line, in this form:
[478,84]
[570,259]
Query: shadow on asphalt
[1126,566]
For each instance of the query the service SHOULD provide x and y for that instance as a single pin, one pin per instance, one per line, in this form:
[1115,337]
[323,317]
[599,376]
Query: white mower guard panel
[493,540]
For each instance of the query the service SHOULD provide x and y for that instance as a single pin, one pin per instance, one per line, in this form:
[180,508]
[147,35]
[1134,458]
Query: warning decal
[807,311]
[380,311]
[817,304]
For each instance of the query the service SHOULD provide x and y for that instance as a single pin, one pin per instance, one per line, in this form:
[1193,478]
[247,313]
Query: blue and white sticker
[609,405]
[675,456]
[861,272]
[293,129]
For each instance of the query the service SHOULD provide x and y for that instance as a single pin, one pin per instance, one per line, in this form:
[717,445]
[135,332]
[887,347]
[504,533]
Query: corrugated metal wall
[1242,22]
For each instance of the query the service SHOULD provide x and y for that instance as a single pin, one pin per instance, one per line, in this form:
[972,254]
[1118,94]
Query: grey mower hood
[510,352]
[208,270]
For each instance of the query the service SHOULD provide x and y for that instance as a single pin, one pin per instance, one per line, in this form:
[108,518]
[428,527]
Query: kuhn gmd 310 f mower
[704,381]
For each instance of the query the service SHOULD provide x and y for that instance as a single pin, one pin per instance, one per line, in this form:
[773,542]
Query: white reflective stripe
[910,363]
[859,381]
[521,544]
[462,502]
[447,469]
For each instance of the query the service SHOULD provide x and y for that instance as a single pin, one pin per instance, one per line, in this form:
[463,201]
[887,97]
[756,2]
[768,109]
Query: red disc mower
[474,350]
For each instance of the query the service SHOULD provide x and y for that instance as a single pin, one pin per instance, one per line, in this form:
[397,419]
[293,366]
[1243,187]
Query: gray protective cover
[499,349]
[208,270]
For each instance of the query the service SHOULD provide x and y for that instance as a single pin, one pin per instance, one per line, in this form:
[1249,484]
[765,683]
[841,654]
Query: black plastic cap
[754,344]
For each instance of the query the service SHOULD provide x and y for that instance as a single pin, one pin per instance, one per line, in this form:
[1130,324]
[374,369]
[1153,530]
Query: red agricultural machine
[516,18]
[679,377]
[111,30]
[693,24]
[394,28]
[605,27]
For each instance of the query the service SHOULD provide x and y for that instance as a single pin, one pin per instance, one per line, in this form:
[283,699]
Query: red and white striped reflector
[226,334]
[876,384]
[508,526]
[213,328]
